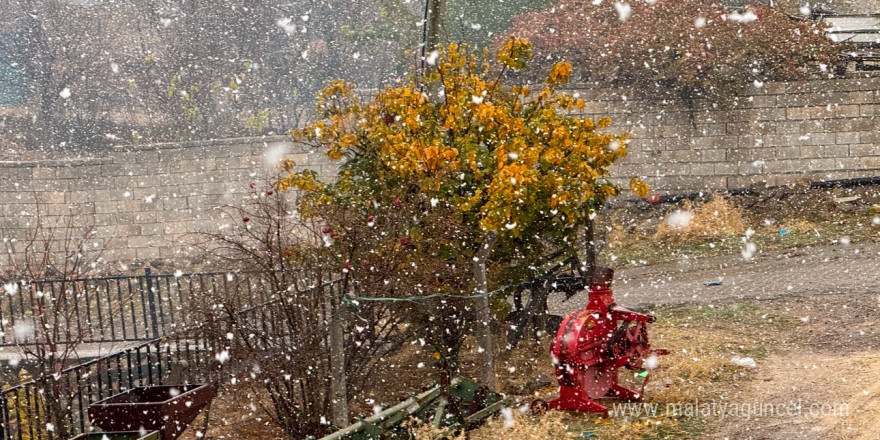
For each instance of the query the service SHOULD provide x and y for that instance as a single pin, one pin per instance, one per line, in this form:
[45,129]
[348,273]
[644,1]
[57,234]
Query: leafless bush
[45,266]
[278,327]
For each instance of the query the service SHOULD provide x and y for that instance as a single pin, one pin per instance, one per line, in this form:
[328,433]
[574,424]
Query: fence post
[484,314]
[4,417]
[151,302]
[338,379]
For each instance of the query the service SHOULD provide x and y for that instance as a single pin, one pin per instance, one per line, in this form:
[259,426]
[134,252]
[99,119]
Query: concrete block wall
[774,134]
[145,202]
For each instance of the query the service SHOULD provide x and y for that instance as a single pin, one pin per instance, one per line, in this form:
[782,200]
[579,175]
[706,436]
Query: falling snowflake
[10,288]
[23,329]
[287,25]
[222,357]
[749,251]
[652,362]
[507,414]
[680,219]
[743,17]
[432,57]
[623,10]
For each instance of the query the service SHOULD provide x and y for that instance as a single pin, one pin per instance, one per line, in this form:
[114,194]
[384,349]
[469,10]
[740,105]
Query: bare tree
[44,273]
[61,49]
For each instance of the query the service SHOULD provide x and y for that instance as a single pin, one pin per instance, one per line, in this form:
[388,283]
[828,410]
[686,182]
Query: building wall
[148,201]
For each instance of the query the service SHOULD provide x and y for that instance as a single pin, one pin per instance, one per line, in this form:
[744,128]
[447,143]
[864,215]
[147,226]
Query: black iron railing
[28,414]
[107,309]
[181,333]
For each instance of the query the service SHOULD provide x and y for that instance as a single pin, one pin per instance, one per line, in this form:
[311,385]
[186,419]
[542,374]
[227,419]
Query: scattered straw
[800,226]
[516,425]
[693,222]
[420,430]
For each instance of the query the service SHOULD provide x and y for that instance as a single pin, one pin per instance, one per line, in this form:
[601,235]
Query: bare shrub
[46,263]
[284,299]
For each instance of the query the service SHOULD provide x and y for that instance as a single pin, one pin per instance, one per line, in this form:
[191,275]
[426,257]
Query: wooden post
[338,379]
[484,314]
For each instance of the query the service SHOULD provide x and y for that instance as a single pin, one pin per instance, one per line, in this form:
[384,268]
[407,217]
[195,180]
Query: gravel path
[826,269]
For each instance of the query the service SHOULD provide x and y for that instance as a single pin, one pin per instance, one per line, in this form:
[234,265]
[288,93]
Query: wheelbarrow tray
[168,408]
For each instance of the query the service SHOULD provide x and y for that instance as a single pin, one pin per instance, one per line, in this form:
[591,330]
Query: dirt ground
[827,362]
[805,307]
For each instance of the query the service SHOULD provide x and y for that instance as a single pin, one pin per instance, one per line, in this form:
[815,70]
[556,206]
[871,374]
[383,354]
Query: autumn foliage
[678,48]
[508,158]
[438,167]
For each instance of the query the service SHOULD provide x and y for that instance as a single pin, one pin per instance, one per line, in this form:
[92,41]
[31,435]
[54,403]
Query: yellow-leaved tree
[448,166]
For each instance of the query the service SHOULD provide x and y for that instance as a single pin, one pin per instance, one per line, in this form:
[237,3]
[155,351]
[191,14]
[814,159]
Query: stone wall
[146,200]
[774,134]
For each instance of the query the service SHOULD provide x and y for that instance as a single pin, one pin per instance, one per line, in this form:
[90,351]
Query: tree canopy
[679,48]
[511,160]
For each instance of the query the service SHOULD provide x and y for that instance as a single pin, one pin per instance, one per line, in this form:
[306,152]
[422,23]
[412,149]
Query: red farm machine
[592,344]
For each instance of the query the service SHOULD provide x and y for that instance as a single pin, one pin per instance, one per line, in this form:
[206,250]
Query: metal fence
[107,309]
[177,331]
[27,414]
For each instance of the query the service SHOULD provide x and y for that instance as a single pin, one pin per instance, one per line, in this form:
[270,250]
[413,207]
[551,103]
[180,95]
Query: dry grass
[800,226]
[635,429]
[517,425]
[527,368]
[717,218]
[419,430]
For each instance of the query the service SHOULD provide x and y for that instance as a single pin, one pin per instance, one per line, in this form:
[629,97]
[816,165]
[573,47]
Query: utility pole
[434,12]
[433,27]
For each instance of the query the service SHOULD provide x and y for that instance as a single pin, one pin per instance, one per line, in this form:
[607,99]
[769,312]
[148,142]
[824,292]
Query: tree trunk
[484,314]
[590,244]
[338,392]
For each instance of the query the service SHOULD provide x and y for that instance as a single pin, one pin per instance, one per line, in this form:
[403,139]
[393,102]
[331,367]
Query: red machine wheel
[638,337]
[631,340]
